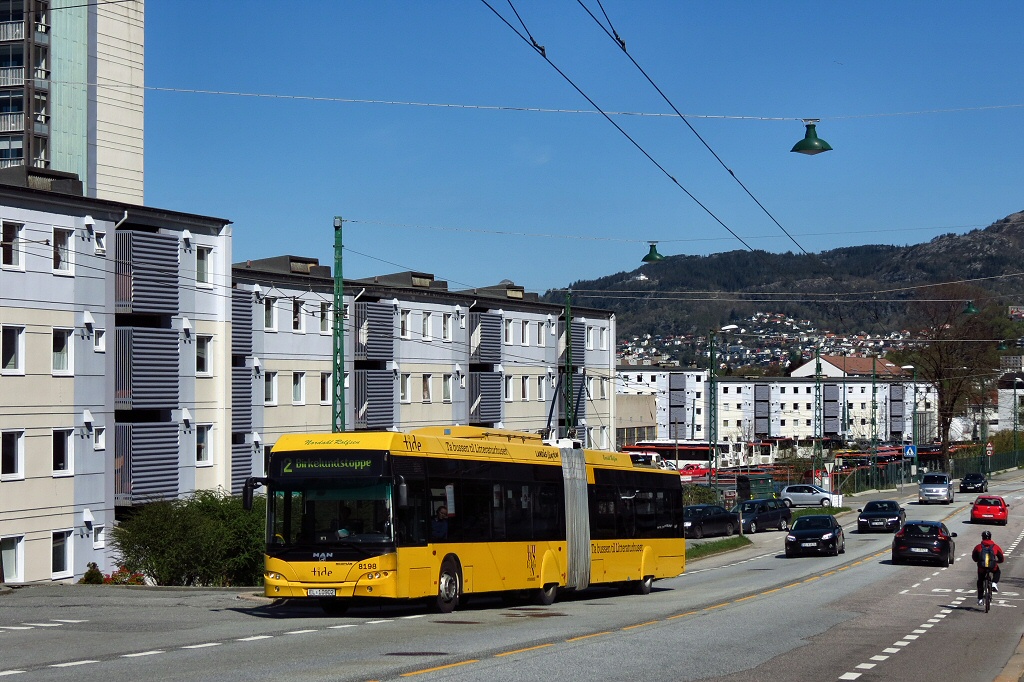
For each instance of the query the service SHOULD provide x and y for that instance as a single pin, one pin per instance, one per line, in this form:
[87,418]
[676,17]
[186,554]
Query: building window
[591,331]
[508,332]
[203,454]
[602,388]
[325,317]
[61,562]
[508,389]
[807,406]
[405,389]
[99,341]
[863,422]
[298,319]
[63,254]
[427,330]
[603,338]
[100,243]
[782,422]
[203,266]
[12,455]
[427,391]
[10,236]
[447,385]
[404,324]
[298,388]
[525,389]
[99,537]
[99,438]
[796,406]
[725,389]
[725,422]
[62,360]
[525,333]
[204,362]
[541,388]
[270,314]
[540,334]
[325,388]
[808,422]
[62,454]
[447,326]
[782,389]
[11,549]
[270,388]
[590,388]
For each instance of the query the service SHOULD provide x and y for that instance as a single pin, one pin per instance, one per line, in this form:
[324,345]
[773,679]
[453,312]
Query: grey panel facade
[374,393]
[241,322]
[485,338]
[145,273]
[241,465]
[241,399]
[146,462]
[146,372]
[374,331]
[484,397]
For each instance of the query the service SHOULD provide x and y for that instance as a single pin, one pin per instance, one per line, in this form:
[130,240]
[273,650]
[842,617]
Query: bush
[93,575]
[122,576]
[699,494]
[203,540]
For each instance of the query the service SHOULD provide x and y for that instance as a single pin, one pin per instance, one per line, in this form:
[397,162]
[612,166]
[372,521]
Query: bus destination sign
[308,464]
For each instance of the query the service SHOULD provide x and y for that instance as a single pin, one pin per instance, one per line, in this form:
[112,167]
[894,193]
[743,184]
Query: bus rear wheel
[449,586]
[643,586]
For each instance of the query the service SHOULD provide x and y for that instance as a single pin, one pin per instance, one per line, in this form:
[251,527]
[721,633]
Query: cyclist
[976,555]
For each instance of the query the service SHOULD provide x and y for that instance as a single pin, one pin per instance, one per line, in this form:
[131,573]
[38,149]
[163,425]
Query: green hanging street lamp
[653,256]
[969,309]
[811,144]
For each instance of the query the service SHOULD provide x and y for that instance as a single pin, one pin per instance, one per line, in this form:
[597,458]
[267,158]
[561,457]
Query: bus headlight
[274,576]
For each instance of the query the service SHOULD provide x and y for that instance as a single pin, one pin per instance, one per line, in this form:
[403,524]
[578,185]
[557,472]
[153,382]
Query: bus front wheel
[545,596]
[449,586]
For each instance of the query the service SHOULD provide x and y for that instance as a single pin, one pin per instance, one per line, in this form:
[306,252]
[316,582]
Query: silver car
[935,488]
[805,495]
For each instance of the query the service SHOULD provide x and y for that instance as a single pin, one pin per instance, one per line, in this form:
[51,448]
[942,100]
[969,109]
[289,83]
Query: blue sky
[922,102]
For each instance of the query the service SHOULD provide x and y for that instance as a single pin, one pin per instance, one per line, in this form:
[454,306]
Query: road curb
[1014,670]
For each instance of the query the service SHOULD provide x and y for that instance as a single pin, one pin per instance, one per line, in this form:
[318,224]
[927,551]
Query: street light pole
[338,367]
[1016,411]
[913,417]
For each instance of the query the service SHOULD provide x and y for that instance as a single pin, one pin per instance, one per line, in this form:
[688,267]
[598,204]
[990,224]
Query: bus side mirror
[403,493]
[248,488]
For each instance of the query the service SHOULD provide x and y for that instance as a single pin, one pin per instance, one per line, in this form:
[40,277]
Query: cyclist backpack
[988,557]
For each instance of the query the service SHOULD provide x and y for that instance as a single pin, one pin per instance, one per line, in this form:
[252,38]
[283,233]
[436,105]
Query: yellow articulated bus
[444,512]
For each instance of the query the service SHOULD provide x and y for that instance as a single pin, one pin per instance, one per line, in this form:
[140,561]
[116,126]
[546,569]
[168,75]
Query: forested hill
[691,294]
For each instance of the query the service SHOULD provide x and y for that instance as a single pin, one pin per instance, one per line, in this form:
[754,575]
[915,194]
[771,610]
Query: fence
[896,474]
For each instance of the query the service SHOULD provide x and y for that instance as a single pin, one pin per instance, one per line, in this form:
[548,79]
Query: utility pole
[713,410]
[818,418]
[338,366]
[570,411]
[874,422]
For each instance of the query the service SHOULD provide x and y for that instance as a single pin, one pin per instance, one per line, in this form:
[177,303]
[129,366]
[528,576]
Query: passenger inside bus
[439,527]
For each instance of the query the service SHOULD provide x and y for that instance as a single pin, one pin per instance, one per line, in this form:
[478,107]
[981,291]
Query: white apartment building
[115,325]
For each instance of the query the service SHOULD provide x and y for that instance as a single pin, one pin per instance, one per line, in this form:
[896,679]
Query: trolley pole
[338,366]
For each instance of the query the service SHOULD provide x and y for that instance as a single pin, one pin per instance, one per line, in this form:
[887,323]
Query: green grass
[806,511]
[706,549]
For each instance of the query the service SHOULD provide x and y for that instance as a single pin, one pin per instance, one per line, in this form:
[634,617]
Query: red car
[989,509]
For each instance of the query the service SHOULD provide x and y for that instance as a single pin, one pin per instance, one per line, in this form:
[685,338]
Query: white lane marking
[849,676]
[375,622]
[927,625]
[68,620]
[915,585]
[866,666]
[339,627]
[201,646]
[44,625]
[300,632]
[71,664]
[919,632]
[144,653]
[5,673]
[879,658]
[419,615]
[254,638]
[15,627]
[891,650]
[911,637]
[902,642]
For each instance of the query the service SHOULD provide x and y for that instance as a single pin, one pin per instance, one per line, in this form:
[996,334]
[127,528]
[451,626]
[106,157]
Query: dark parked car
[708,519]
[763,513]
[885,515]
[924,541]
[974,483]
[816,534]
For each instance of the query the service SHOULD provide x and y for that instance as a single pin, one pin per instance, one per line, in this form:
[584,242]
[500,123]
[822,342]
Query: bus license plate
[321,592]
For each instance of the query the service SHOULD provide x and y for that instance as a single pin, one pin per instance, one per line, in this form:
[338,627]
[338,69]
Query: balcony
[373,392]
[146,273]
[12,30]
[12,122]
[12,76]
[11,163]
[145,462]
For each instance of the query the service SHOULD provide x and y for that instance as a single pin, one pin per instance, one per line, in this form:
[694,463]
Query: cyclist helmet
[986,535]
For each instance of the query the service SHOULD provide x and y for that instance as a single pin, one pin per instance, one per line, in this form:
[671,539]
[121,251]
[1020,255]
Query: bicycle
[986,591]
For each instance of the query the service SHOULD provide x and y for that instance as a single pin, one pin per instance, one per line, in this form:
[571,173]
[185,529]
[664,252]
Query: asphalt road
[747,615]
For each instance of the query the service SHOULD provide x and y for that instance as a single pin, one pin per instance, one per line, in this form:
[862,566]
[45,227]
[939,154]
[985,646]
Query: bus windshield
[304,512]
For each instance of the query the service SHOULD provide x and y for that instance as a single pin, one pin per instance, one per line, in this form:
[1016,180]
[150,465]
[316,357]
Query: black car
[884,515]
[708,519]
[763,513]
[816,534]
[924,541]
[974,483]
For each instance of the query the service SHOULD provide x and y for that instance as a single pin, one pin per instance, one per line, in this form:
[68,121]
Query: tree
[960,350]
